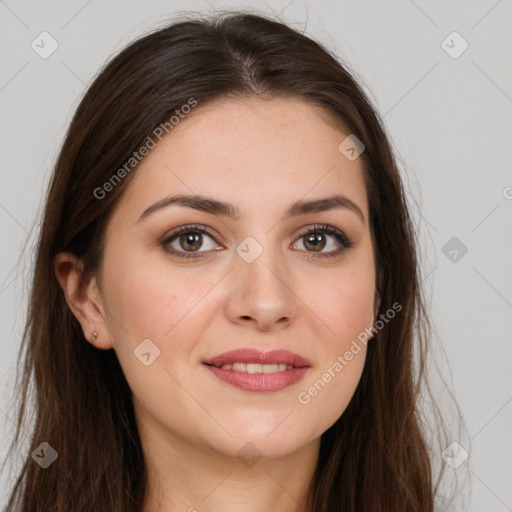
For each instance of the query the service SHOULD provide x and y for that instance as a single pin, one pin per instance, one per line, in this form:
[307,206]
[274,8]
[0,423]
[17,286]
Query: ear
[83,298]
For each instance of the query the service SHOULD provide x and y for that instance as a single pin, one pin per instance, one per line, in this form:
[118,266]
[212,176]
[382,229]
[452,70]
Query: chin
[262,439]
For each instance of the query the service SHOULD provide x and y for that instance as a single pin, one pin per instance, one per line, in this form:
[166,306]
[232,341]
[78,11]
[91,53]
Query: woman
[226,295]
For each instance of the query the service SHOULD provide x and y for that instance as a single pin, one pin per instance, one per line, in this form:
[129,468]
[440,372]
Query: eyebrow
[221,208]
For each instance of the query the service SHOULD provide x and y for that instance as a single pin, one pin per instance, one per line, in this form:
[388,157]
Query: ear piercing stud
[94,336]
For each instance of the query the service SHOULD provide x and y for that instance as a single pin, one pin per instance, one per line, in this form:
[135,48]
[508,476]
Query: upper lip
[250,355]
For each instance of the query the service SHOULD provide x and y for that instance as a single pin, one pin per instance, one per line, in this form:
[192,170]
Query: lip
[259,382]
[248,355]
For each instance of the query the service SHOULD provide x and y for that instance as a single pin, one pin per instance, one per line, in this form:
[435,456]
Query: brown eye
[316,239]
[187,240]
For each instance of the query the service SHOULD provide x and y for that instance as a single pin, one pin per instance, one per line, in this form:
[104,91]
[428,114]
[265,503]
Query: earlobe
[83,299]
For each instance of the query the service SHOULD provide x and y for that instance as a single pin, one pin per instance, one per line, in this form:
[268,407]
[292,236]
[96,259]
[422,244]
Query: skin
[262,156]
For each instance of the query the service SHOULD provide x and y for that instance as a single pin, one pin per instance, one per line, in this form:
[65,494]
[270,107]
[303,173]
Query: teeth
[257,368]
[254,368]
[270,368]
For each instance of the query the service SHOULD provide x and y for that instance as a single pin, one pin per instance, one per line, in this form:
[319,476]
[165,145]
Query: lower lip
[259,382]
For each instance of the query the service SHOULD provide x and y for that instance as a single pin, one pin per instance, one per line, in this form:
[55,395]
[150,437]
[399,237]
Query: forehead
[252,153]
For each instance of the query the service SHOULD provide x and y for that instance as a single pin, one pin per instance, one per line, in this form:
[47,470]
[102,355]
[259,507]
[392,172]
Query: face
[181,285]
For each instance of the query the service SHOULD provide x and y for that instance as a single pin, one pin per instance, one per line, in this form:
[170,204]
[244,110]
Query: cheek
[344,303]
[149,297]
[170,313]
[146,302]
[342,354]
[345,310]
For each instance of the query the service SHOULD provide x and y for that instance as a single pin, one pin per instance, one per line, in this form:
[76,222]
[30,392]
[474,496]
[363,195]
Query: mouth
[256,371]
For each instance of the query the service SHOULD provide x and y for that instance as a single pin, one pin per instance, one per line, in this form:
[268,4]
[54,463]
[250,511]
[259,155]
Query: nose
[262,292]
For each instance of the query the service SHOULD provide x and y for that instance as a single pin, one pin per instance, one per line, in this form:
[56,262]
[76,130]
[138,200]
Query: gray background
[450,123]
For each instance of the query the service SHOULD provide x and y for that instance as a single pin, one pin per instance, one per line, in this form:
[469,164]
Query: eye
[187,240]
[316,239]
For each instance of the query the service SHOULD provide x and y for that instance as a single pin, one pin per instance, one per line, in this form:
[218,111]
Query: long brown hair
[375,457]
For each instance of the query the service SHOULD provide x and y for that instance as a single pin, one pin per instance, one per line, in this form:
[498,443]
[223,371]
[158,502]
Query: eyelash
[341,238]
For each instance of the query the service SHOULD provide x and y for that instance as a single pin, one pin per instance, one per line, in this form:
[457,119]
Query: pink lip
[259,382]
[248,355]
